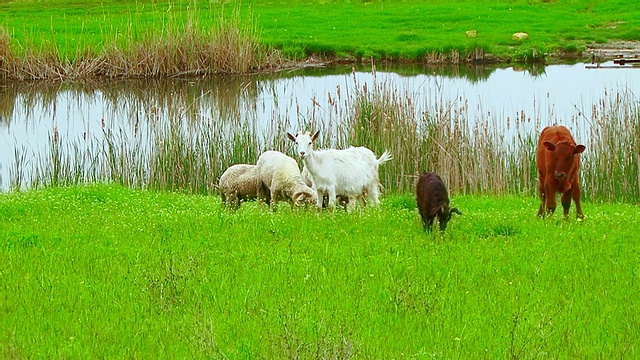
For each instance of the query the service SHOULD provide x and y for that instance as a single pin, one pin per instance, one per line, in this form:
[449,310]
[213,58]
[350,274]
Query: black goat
[433,200]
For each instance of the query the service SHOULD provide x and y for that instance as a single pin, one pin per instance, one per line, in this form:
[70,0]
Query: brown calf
[558,161]
[433,201]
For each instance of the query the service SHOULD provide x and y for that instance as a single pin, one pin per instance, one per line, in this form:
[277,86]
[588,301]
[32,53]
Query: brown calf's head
[563,154]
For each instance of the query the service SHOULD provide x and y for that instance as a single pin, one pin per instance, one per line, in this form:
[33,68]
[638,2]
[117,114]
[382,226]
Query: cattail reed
[171,143]
[611,164]
[181,48]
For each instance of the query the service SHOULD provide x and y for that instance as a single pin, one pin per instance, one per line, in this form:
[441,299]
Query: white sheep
[238,183]
[350,172]
[279,174]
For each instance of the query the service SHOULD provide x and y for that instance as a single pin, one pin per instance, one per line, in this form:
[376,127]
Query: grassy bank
[147,38]
[78,42]
[103,271]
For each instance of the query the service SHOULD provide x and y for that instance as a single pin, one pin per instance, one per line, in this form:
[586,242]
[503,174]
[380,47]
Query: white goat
[280,175]
[341,200]
[349,172]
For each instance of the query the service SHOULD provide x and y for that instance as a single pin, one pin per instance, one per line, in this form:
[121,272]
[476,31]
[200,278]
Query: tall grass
[448,138]
[172,143]
[613,163]
[479,152]
[187,152]
[183,47]
[6,57]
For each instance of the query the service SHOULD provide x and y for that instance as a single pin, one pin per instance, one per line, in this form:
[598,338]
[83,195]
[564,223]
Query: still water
[32,115]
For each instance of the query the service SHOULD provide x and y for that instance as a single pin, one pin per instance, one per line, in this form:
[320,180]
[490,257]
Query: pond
[82,130]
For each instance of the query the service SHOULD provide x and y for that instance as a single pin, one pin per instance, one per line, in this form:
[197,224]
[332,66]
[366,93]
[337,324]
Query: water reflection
[29,101]
[469,72]
[252,113]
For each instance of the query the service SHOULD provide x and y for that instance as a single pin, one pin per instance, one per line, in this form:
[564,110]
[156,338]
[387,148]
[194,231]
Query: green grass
[106,272]
[409,30]
[413,29]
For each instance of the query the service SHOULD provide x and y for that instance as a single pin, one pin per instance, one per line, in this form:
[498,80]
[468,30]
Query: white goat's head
[304,142]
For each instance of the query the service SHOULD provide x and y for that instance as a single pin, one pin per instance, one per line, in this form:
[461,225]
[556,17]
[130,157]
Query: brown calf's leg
[575,194]
[566,203]
[542,203]
[542,199]
[550,199]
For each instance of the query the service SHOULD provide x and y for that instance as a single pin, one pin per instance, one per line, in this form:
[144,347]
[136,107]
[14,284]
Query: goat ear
[315,136]
[455,210]
[291,137]
[549,145]
[579,149]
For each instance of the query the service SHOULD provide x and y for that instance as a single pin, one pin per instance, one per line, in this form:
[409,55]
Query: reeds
[172,143]
[6,56]
[427,133]
[184,47]
[611,166]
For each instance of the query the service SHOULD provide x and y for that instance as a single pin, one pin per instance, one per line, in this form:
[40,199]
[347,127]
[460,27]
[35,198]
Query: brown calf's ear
[315,136]
[455,210]
[549,145]
[579,149]
[291,137]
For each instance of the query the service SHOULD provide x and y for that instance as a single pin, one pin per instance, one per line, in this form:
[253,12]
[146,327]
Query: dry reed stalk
[231,47]
[453,57]
[6,55]
[467,151]
[172,145]
[611,164]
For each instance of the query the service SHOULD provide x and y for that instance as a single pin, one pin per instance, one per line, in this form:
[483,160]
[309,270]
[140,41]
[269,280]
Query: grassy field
[103,271]
[106,272]
[149,38]
[426,29]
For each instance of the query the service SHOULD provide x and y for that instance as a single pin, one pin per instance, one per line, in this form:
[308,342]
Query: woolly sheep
[350,172]
[433,201]
[280,175]
[238,183]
